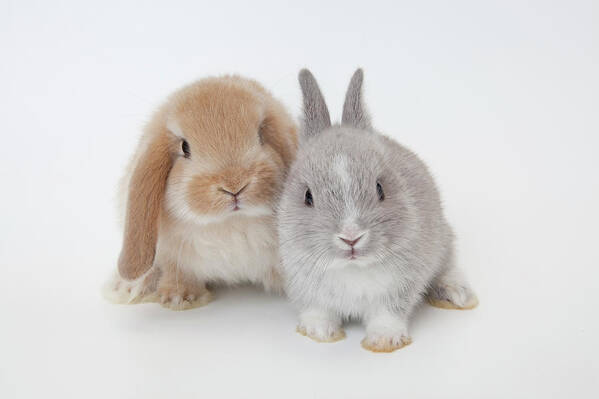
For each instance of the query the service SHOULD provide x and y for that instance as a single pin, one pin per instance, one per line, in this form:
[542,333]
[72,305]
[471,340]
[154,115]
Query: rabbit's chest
[353,291]
[235,252]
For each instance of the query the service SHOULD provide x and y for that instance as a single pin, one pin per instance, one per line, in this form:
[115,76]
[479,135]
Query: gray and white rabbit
[362,231]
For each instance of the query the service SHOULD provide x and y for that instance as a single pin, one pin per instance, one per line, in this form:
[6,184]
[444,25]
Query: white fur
[360,262]
[355,288]
[382,322]
[173,126]
[241,249]
[385,331]
[320,325]
[237,250]
[456,289]
[119,290]
[341,169]
[228,247]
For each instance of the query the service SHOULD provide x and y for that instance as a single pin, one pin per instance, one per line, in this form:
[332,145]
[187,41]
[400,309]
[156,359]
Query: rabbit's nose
[231,193]
[349,241]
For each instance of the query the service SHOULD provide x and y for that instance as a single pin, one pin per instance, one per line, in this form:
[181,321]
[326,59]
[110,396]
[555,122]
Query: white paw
[121,291]
[319,327]
[175,300]
[386,342]
[452,296]
[386,331]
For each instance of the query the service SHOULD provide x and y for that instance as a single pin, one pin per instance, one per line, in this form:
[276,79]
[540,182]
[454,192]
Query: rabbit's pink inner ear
[146,194]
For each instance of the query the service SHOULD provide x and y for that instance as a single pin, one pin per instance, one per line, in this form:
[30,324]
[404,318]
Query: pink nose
[351,243]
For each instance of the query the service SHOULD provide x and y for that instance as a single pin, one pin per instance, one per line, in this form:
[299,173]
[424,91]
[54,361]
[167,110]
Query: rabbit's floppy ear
[144,201]
[278,130]
[316,114]
[354,112]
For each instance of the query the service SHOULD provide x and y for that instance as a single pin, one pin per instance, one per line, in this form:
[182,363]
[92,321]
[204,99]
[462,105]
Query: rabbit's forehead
[218,132]
[347,170]
[344,165]
[216,115]
[341,168]
[218,124]
[213,150]
[341,183]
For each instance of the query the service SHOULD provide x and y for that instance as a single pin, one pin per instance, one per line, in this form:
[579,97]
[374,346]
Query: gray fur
[410,244]
[316,114]
[354,113]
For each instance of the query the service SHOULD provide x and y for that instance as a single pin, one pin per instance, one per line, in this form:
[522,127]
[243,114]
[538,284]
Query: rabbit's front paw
[321,332]
[320,326]
[182,300]
[385,342]
[142,289]
[386,331]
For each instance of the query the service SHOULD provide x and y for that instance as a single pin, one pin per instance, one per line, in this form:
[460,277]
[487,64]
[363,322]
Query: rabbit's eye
[379,191]
[260,137]
[308,200]
[185,148]
[261,130]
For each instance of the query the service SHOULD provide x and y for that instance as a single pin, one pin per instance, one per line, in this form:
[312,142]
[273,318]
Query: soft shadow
[229,305]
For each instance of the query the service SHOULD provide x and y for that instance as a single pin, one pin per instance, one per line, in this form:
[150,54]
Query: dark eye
[185,148]
[261,129]
[308,200]
[379,191]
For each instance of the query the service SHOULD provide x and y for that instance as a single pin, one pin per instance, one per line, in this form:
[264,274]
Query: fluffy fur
[405,246]
[200,192]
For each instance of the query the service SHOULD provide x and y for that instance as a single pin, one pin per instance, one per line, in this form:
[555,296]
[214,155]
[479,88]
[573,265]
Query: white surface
[500,99]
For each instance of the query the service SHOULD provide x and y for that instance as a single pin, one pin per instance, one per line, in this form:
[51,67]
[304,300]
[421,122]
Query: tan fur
[239,135]
[231,113]
[204,192]
[146,194]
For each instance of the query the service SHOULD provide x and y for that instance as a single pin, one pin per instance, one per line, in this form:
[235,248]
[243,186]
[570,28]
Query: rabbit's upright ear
[145,196]
[316,114]
[354,112]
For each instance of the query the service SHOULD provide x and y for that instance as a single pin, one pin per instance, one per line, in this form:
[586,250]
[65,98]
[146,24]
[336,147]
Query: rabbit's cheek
[264,183]
[204,197]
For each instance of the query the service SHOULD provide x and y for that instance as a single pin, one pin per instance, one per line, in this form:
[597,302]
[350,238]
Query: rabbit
[361,228]
[199,195]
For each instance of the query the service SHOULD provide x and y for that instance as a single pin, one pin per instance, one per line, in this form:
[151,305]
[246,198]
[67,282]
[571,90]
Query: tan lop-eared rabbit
[200,193]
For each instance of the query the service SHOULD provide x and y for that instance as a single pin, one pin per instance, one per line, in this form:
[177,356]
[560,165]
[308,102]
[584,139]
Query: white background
[500,98]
